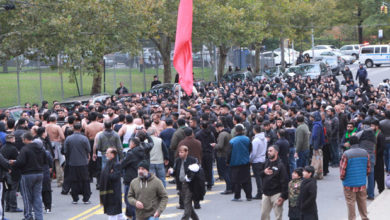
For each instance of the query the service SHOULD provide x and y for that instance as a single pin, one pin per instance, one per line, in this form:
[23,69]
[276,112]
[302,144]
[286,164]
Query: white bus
[374,55]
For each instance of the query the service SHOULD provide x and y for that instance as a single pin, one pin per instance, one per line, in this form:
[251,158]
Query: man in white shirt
[257,157]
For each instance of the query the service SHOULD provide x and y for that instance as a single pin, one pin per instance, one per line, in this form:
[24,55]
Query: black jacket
[206,138]
[31,159]
[18,138]
[277,182]
[176,169]
[4,167]
[110,188]
[284,150]
[307,199]
[10,152]
[130,162]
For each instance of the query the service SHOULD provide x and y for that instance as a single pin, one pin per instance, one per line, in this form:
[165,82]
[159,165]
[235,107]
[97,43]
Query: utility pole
[312,42]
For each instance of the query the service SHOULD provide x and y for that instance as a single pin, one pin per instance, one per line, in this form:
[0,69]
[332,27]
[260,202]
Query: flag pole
[179,100]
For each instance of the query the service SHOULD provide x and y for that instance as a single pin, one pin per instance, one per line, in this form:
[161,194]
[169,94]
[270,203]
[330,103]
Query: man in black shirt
[155,81]
[30,161]
[275,184]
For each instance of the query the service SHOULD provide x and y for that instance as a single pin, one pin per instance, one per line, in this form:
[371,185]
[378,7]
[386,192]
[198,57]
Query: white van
[374,55]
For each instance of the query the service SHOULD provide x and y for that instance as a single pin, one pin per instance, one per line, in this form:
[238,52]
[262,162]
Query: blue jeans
[334,151]
[386,154]
[291,160]
[159,171]
[303,159]
[31,189]
[371,178]
[130,210]
[225,171]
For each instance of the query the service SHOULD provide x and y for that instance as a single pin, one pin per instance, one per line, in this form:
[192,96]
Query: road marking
[169,205]
[85,212]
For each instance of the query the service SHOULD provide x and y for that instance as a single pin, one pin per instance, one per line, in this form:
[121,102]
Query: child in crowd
[307,196]
[293,193]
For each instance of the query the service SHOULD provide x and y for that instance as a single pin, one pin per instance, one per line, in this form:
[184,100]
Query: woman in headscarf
[110,186]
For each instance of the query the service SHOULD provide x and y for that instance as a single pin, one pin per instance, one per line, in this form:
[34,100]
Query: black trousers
[207,165]
[257,169]
[326,158]
[46,198]
[67,182]
[379,174]
[189,211]
[80,183]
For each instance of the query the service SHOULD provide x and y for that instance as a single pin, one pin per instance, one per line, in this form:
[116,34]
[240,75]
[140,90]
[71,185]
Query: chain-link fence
[34,80]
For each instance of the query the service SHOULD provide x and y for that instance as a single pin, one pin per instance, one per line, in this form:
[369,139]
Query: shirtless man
[91,130]
[158,124]
[56,136]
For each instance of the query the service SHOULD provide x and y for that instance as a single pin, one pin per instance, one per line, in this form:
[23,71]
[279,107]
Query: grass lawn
[51,83]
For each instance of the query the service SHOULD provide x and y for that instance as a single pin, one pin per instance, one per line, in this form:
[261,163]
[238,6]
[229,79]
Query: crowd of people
[287,131]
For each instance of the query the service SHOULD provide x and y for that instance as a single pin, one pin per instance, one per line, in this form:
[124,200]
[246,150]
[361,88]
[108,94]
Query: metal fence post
[17,77]
[40,79]
[143,68]
[61,78]
[131,81]
[81,82]
[114,81]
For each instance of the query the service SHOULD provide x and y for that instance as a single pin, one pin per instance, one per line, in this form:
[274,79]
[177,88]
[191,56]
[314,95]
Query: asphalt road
[330,199]
[330,202]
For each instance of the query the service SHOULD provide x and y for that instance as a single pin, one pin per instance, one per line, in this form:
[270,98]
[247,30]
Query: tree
[356,12]
[81,30]
[220,23]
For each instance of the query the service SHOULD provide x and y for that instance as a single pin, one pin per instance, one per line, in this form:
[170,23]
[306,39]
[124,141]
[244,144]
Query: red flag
[182,59]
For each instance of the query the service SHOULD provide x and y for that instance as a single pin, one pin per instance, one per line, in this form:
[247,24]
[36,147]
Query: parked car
[277,56]
[237,76]
[319,49]
[333,64]
[69,103]
[314,69]
[352,50]
[334,54]
[375,55]
[14,112]
[294,71]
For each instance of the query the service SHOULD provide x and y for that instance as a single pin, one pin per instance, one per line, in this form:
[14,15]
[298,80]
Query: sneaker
[87,202]
[74,202]
[236,200]
[48,211]
[248,199]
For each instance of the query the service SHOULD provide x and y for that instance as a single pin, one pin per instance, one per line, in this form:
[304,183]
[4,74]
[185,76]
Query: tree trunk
[164,46]
[282,60]
[360,28]
[257,58]
[5,66]
[97,79]
[223,51]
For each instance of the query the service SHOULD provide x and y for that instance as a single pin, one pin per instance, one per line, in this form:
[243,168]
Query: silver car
[352,50]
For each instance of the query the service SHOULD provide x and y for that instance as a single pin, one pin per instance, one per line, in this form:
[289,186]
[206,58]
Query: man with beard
[351,130]
[275,185]
[269,133]
[147,193]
